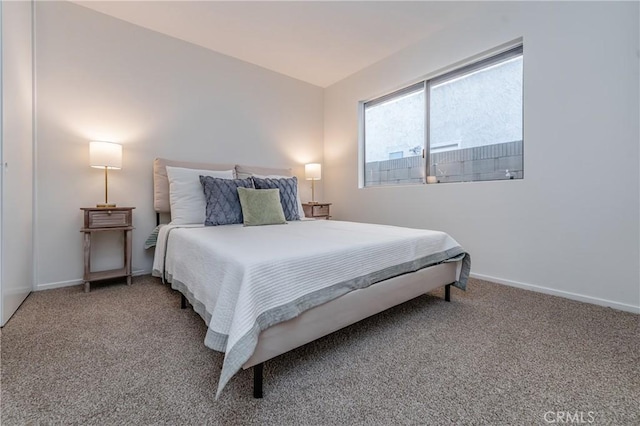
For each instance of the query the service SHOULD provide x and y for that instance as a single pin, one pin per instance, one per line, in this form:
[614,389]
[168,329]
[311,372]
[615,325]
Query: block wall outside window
[493,162]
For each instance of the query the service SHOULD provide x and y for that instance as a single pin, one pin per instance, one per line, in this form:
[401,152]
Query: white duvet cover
[242,280]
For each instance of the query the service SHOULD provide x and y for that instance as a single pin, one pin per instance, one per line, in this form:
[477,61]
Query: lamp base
[104,206]
[312,202]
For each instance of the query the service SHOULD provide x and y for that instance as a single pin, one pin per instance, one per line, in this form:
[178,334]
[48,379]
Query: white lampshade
[105,154]
[313,171]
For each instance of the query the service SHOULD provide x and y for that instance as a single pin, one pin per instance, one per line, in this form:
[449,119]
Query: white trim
[60,284]
[565,294]
[1,158]
[531,287]
[34,154]
[361,152]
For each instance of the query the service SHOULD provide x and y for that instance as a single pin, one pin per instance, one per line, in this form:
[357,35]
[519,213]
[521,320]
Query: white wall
[571,227]
[16,159]
[99,78]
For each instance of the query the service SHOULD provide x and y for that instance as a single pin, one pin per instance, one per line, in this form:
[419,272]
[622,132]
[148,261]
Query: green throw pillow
[261,206]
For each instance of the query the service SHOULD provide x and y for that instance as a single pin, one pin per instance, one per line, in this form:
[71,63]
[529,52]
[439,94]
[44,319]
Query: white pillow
[300,209]
[188,204]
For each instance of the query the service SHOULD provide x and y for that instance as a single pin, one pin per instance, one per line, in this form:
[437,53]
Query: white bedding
[242,280]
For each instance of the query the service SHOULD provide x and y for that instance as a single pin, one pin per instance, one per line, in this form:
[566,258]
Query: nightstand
[317,210]
[106,219]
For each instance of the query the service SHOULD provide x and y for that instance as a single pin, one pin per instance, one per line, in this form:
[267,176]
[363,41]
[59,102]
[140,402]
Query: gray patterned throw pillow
[223,204]
[288,193]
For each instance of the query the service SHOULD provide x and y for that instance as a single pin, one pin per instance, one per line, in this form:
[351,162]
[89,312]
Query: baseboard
[560,293]
[60,284]
[539,289]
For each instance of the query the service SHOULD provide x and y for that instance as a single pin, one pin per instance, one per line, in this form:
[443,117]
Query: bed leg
[257,380]
[183,302]
[447,292]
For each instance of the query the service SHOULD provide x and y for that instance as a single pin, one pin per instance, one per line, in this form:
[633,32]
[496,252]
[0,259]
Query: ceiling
[320,42]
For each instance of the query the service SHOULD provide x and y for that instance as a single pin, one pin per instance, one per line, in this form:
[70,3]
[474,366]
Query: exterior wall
[400,171]
[492,162]
[501,161]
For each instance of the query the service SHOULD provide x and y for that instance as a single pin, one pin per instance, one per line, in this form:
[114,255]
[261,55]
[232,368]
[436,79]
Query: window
[465,125]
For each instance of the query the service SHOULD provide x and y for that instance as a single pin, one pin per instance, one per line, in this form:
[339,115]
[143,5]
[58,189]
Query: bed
[265,290]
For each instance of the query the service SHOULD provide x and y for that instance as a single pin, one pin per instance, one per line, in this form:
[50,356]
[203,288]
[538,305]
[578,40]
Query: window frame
[512,50]
[407,90]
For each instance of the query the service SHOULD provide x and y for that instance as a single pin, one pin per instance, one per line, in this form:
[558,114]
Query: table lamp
[313,172]
[105,155]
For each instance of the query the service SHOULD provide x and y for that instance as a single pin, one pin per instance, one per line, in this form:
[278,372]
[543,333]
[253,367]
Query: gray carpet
[494,355]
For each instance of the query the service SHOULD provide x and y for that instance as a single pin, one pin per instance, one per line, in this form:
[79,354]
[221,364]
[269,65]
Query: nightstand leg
[127,256]
[87,261]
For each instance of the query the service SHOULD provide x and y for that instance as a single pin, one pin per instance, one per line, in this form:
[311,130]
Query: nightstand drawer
[108,218]
[321,210]
[317,210]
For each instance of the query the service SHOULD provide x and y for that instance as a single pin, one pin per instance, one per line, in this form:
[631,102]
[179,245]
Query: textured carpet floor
[494,355]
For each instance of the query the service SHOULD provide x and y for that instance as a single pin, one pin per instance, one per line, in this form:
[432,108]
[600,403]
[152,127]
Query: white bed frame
[331,316]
